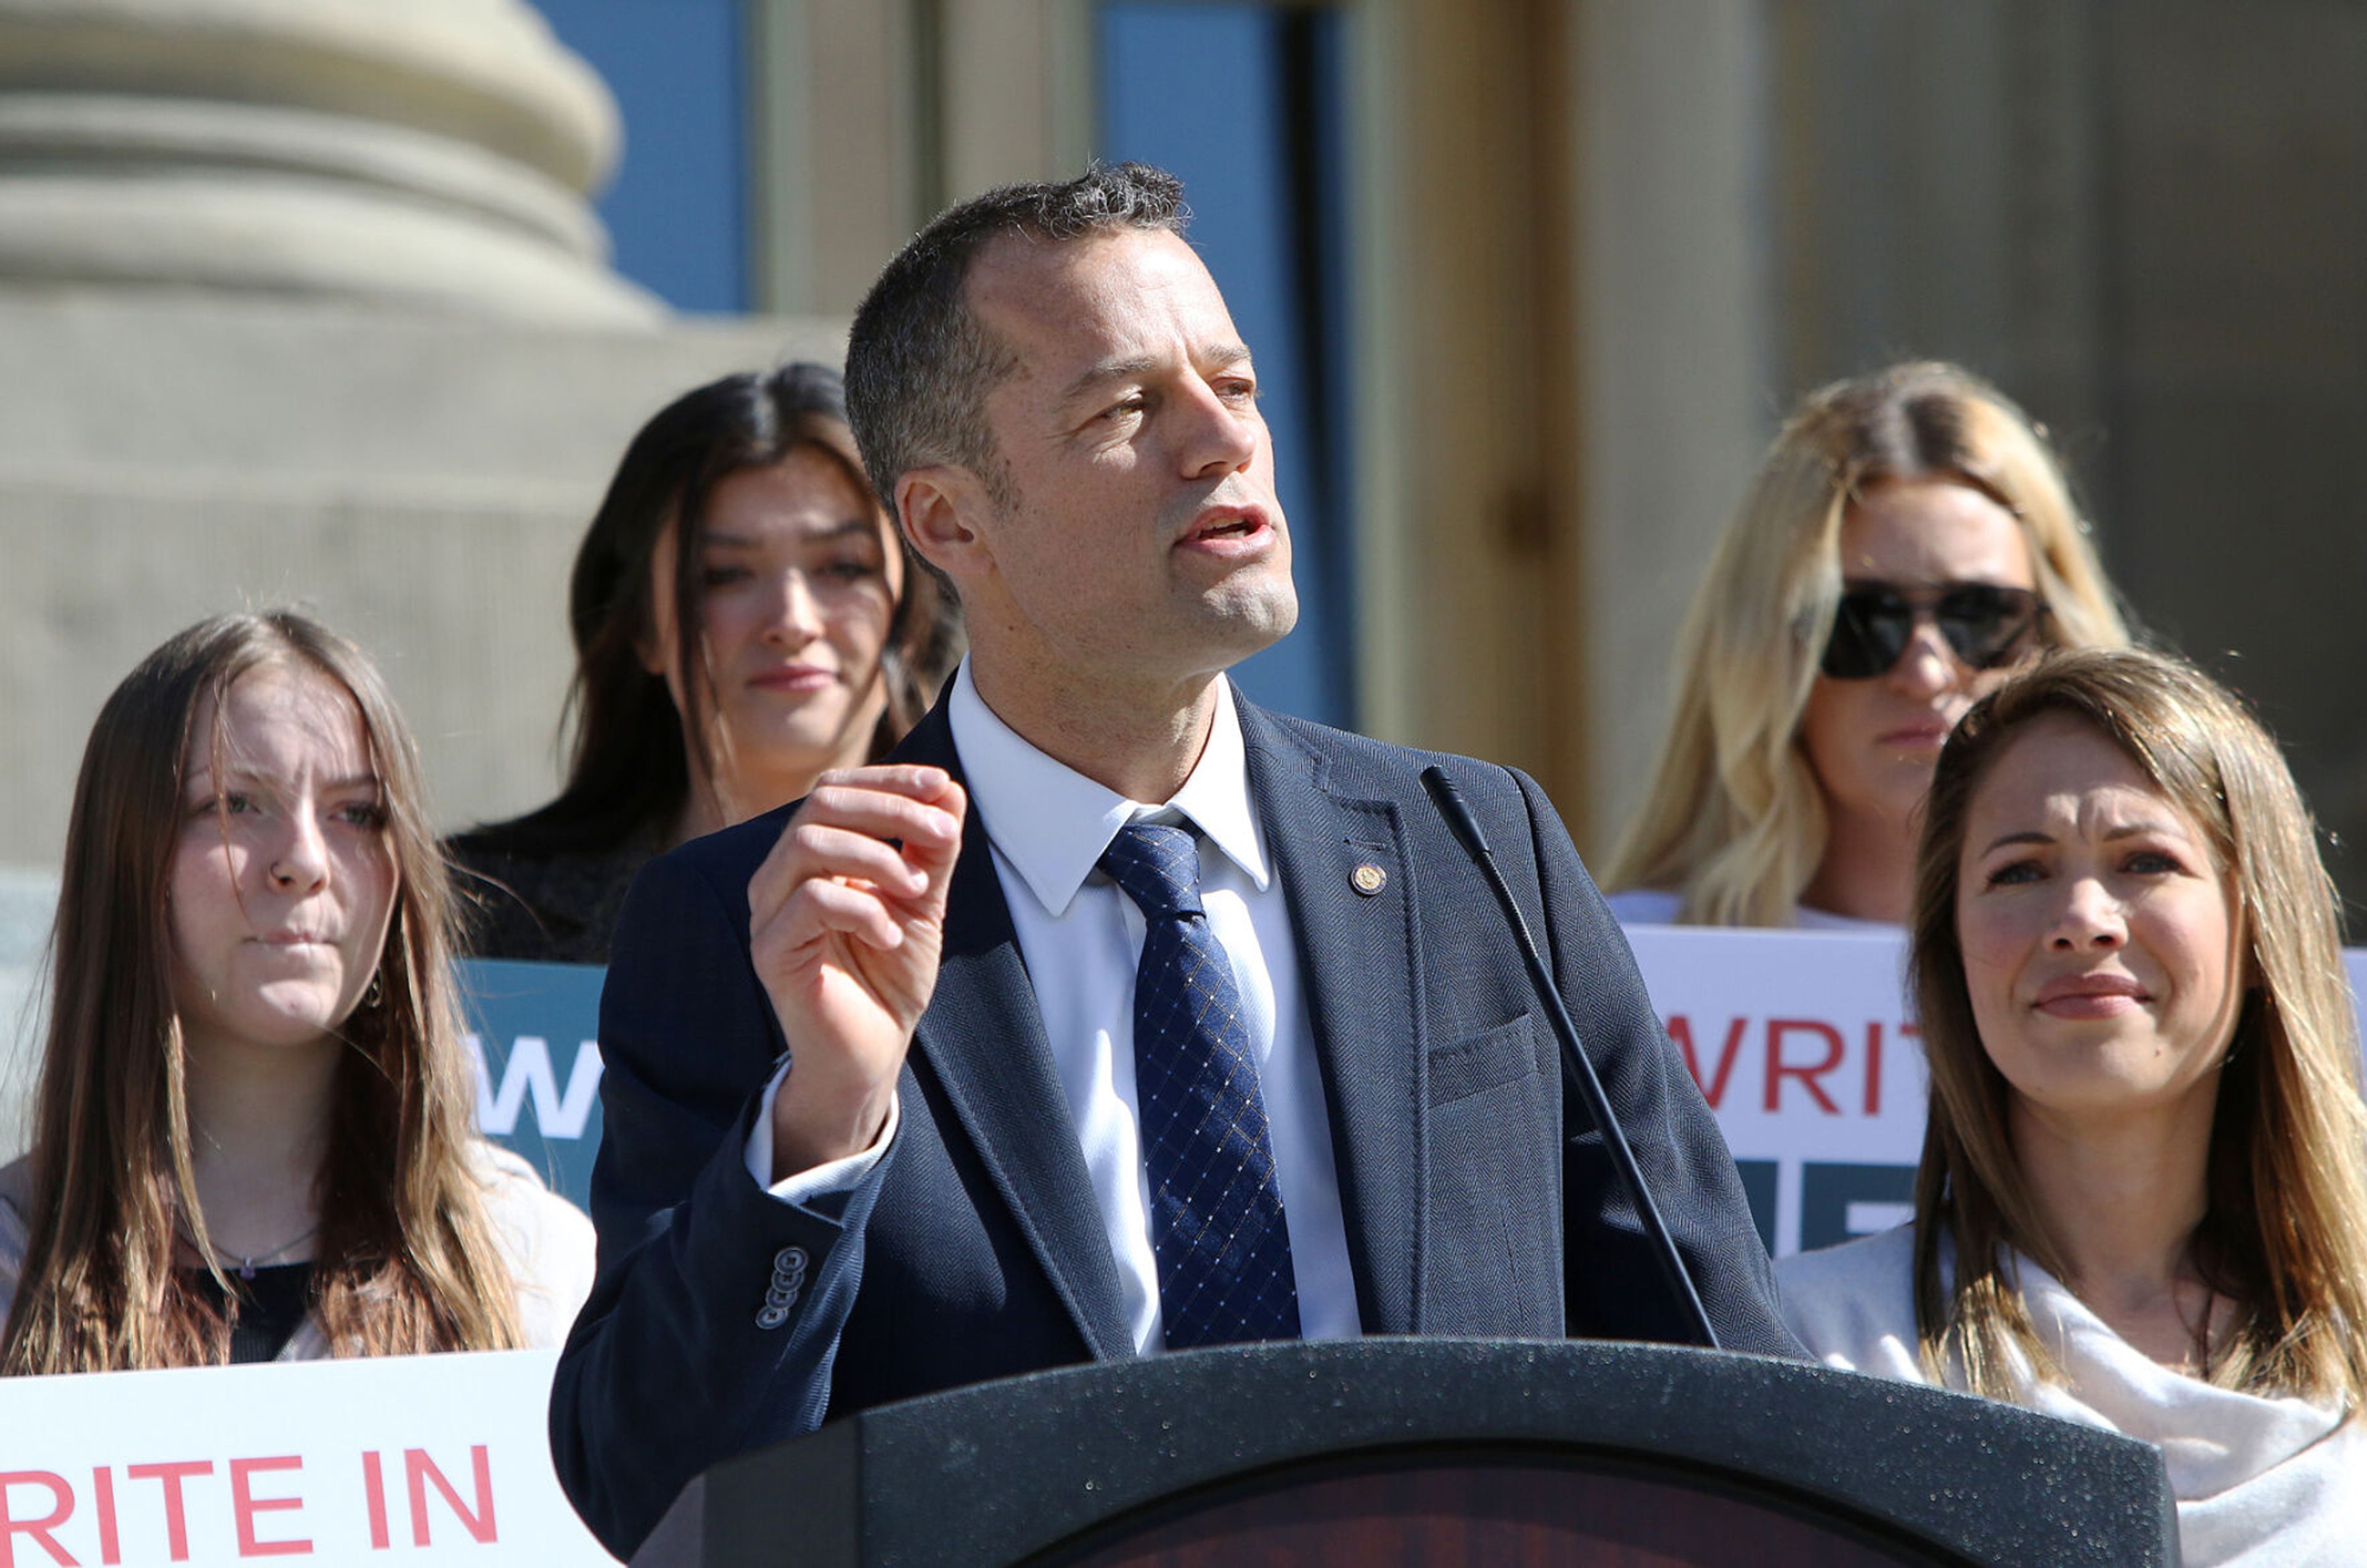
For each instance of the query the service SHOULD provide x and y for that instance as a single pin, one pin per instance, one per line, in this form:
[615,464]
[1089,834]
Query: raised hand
[846,920]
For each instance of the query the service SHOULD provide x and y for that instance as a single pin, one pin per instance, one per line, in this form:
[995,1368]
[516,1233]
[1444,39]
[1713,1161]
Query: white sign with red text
[1805,1047]
[403,1459]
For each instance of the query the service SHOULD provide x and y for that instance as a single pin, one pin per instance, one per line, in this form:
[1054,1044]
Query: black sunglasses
[1985,624]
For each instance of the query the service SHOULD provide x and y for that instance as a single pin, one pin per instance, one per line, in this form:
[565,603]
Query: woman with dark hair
[2143,1199]
[745,616]
[252,1135]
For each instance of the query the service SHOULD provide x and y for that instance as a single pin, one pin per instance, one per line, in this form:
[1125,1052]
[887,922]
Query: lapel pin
[1368,879]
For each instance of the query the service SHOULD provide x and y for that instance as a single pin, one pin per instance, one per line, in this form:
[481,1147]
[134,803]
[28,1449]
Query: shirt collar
[1052,823]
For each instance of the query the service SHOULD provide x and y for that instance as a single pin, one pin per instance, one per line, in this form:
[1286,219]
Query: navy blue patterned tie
[1217,1224]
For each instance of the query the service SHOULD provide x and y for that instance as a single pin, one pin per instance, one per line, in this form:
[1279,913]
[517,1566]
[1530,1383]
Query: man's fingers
[819,850]
[906,829]
[884,814]
[820,907]
[898,780]
[935,856]
[911,779]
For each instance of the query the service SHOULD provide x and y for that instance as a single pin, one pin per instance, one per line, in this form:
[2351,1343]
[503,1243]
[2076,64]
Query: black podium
[1439,1452]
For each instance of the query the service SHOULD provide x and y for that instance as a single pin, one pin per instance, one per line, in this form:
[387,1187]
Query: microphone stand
[1576,1068]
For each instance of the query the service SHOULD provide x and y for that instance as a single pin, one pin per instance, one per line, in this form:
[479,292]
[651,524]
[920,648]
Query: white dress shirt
[1081,939]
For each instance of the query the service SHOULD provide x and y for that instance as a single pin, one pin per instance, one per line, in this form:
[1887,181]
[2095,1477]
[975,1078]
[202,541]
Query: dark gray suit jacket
[723,1319]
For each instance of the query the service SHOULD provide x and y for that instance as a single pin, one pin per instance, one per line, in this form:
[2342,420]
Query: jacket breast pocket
[1492,1253]
[1480,1062]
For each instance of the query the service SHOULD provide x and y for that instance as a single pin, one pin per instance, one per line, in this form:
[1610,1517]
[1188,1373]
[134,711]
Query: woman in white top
[252,1137]
[2143,1196]
[1908,540]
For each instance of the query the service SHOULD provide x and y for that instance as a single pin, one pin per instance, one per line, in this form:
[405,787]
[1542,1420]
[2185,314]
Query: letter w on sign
[542,1105]
[529,1071]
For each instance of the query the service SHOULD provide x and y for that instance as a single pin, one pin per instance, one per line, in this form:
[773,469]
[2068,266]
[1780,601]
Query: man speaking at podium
[1112,1015]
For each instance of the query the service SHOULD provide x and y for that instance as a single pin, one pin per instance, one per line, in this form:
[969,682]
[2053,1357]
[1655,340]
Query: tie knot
[1158,868]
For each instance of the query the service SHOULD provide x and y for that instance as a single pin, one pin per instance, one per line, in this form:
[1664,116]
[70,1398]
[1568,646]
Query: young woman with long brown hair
[252,1137]
[2143,1197]
[745,616]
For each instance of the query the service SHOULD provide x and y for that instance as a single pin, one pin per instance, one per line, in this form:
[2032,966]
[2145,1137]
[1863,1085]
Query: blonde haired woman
[1908,539]
[2143,1196]
[252,1139]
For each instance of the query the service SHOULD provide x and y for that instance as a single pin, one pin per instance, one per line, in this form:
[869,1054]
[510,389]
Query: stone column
[435,153]
[1672,303]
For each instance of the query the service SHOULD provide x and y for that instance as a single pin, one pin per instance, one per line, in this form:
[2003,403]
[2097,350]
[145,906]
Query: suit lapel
[1356,956]
[983,1037]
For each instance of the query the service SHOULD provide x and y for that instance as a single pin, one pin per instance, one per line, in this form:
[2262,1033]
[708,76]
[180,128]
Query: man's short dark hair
[919,366]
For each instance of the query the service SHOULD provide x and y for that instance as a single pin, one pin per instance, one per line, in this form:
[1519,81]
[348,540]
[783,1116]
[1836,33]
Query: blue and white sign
[534,1042]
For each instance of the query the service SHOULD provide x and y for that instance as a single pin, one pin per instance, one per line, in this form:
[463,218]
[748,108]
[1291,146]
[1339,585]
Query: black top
[555,908]
[272,1304]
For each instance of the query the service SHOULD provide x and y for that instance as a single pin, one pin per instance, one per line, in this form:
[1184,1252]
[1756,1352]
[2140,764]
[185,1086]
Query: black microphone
[1575,1065]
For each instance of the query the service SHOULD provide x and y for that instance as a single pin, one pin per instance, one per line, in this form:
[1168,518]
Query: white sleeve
[832,1176]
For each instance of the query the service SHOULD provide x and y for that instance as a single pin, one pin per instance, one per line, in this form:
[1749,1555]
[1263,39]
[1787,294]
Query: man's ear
[941,506]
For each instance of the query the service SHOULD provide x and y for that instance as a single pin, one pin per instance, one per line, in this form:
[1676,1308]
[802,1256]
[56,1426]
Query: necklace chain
[248,1262]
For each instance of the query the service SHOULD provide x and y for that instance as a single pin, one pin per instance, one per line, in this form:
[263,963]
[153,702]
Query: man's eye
[1238,391]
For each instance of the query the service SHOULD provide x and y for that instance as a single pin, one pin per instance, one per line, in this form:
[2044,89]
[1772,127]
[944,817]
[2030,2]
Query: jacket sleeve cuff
[828,1179]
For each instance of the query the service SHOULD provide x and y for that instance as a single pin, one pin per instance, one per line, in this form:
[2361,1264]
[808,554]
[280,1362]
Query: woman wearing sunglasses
[1908,542]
